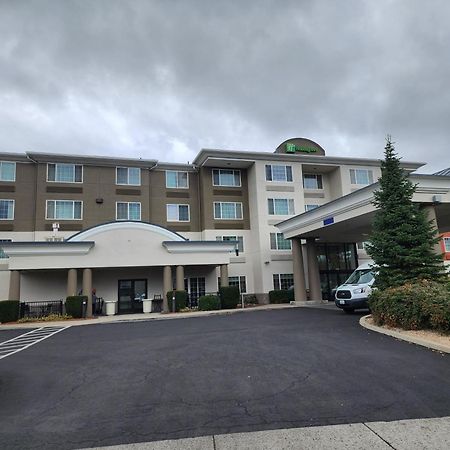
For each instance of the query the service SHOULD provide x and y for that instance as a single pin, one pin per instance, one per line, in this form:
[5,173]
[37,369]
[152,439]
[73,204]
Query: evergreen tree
[402,240]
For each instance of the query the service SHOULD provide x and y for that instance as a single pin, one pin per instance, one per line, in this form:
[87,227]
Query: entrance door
[131,293]
[195,288]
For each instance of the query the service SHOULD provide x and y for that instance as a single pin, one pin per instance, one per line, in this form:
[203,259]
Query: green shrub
[74,305]
[413,306]
[229,296]
[208,303]
[250,299]
[9,311]
[281,296]
[180,300]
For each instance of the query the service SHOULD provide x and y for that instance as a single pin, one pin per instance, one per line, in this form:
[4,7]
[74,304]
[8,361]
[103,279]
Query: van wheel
[349,310]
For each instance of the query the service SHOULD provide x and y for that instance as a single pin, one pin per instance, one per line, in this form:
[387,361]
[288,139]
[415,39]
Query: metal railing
[42,308]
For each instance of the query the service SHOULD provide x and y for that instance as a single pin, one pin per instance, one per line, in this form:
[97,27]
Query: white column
[71,282]
[299,271]
[224,281]
[180,278]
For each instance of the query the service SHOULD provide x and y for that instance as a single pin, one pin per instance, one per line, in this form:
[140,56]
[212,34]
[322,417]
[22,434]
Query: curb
[142,318]
[403,337]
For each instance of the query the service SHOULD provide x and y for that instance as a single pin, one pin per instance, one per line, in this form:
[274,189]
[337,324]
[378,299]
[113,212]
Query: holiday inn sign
[292,148]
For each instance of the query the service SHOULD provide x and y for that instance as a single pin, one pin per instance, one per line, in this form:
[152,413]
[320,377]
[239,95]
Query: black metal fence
[41,309]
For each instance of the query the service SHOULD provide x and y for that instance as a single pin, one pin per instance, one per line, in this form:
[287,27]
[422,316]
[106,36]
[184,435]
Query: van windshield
[360,277]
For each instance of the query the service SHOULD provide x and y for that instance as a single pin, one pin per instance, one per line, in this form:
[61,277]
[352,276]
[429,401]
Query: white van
[353,294]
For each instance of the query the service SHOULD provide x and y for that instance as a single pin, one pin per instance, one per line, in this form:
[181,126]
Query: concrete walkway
[140,317]
[401,435]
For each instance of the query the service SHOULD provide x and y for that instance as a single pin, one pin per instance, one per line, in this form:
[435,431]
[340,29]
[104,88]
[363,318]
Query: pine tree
[402,240]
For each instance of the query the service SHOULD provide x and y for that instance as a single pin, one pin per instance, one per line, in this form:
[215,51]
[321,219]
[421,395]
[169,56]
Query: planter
[110,308]
[147,306]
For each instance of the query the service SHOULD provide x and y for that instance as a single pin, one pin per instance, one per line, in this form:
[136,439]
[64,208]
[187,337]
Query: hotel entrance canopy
[349,218]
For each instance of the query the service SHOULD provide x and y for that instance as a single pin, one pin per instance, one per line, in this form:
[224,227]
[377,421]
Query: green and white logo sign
[292,148]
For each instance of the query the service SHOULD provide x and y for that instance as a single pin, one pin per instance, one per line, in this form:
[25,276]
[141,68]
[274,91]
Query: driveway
[132,382]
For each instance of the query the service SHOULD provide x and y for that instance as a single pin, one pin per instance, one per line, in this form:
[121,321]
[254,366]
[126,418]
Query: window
[128,175]
[227,210]
[312,181]
[310,207]
[64,209]
[278,242]
[281,206]
[278,173]
[447,244]
[178,213]
[283,280]
[7,171]
[222,177]
[128,211]
[2,253]
[175,179]
[361,245]
[65,173]
[6,209]
[361,176]
[240,240]
[238,281]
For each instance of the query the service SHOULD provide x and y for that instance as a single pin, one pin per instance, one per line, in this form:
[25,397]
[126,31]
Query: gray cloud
[163,79]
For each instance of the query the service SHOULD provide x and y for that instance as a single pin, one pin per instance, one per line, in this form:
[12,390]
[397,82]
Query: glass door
[131,293]
[195,288]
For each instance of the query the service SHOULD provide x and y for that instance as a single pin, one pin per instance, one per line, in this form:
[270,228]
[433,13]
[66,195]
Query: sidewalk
[140,317]
[400,435]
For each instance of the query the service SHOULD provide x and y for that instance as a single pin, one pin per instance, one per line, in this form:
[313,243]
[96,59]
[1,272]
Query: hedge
[9,311]
[413,306]
[74,305]
[281,296]
[208,303]
[180,300]
[229,296]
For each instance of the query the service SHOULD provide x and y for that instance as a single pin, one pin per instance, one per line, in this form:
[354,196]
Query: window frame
[285,173]
[15,168]
[228,218]
[275,240]
[74,173]
[315,206]
[128,176]
[446,240]
[241,279]
[178,212]
[13,208]
[317,176]
[2,253]
[63,200]
[278,275]
[226,170]
[369,174]
[290,206]
[178,186]
[128,211]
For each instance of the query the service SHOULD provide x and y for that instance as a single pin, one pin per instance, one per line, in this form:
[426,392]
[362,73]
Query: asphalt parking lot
[145,381]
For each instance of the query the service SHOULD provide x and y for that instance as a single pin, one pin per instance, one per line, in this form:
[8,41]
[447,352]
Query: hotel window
[281,206]
[64,210]
[239,239]
[7,171]
[278,173]
[310,207]
[2,253]
[283,280]
[447,244]
[128,176]
[177,213]
[6,209]
[223,177]
[227,210]
[312,181]
[361,176]
[238,281]
[278,242]
[65,173]
[176,179]
[128,211]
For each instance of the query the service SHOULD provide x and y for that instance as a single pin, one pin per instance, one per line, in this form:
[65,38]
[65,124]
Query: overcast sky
[163,79]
